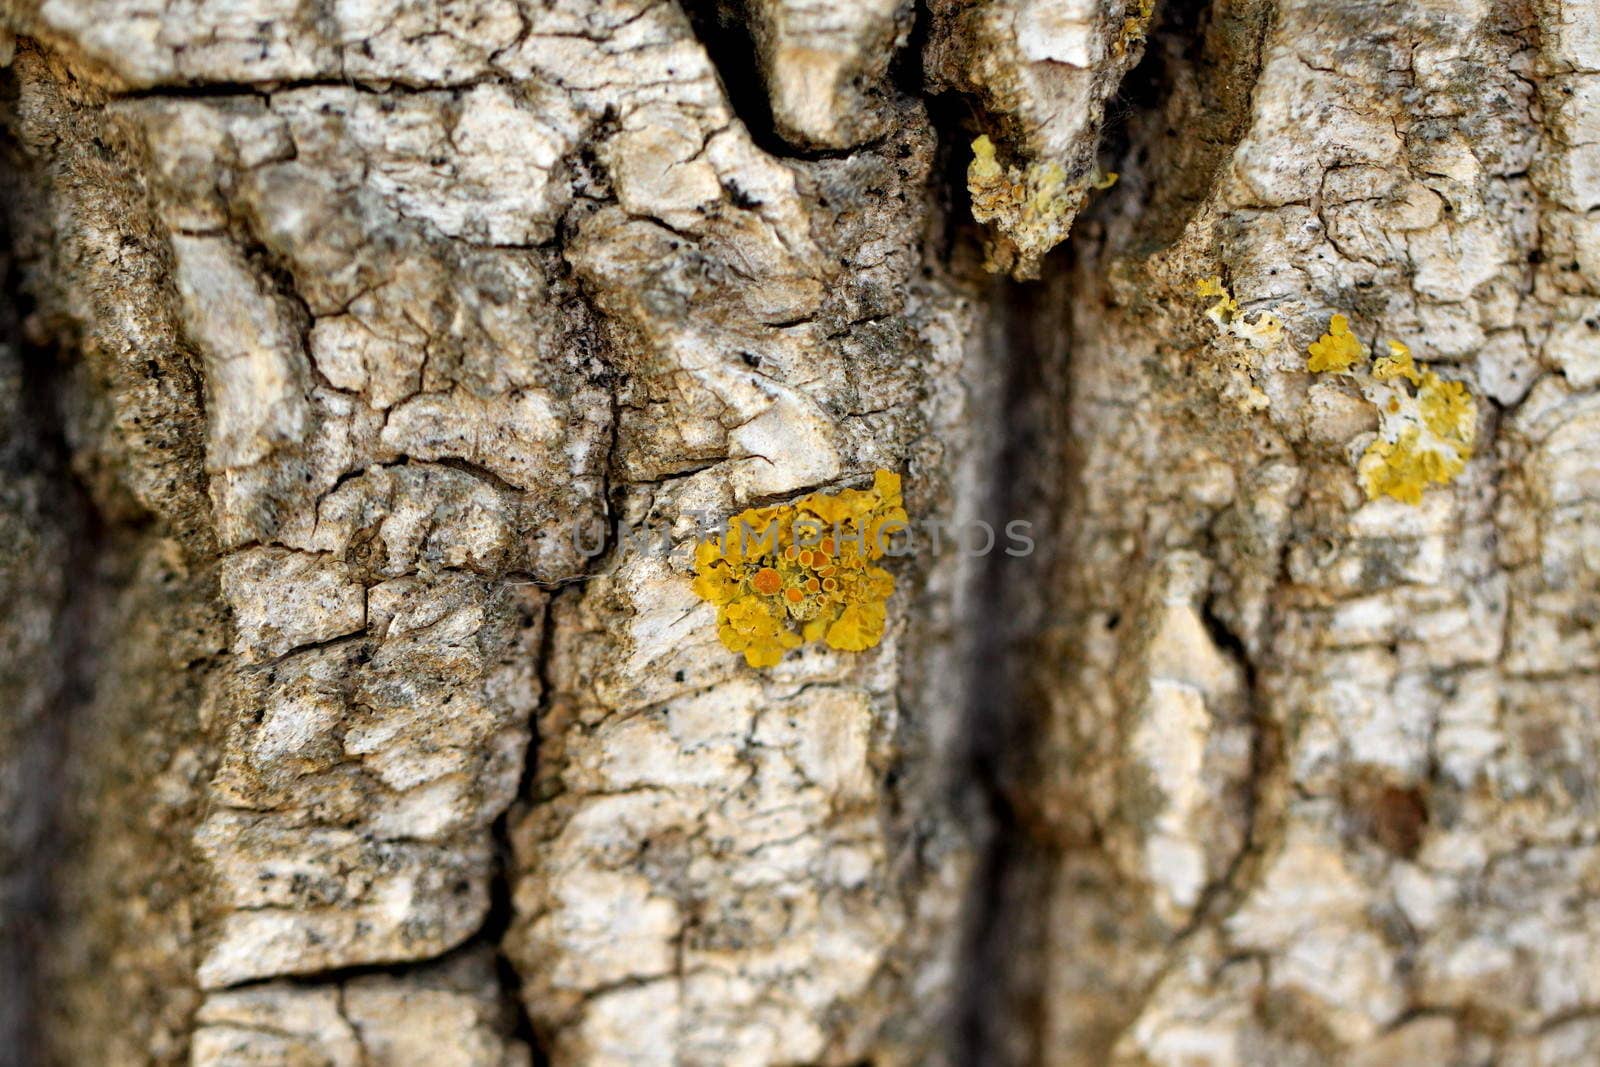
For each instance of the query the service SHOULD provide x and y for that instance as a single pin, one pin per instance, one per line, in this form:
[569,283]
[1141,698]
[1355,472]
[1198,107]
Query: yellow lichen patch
[1031,208]
[1426,426]
[1402,468]
[1425,434]
[1134,27]
[1105,180]
[984,171]
[781,576]
[1397,364]
[1261,332]
[1336,350]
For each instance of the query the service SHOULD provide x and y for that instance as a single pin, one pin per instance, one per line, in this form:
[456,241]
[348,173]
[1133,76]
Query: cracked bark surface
[354,345]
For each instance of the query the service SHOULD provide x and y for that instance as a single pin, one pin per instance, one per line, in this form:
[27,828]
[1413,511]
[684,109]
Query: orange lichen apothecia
[787,574]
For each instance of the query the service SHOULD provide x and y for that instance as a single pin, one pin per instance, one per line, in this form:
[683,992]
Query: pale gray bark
[342,327]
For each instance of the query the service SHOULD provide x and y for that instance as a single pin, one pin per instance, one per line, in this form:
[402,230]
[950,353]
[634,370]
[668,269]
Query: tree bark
[360,355]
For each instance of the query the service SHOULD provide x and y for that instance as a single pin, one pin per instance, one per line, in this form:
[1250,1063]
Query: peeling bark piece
[153,43]
[825,66]
[297,900]
[448,1014]
[754,912]
[285,600]
[1188,752]
[359,782]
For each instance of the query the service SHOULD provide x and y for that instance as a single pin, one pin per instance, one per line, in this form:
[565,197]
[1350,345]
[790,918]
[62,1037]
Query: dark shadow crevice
[1200,64]
[1181,111]
[51,545]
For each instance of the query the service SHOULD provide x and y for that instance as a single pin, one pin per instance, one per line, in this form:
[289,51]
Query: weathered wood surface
[351,345]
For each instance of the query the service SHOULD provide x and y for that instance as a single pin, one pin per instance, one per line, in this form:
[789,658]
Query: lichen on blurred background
[1029,209]
[786,574]
[1425,433]
[1261,331]
[1426,426]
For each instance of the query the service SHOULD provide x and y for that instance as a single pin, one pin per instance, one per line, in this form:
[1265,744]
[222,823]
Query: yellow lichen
[1426,426]
[1424,436]
[1105,180]
[1031,208]
[1336,350]
[784,575]
[1134,27]
[1397,364]
[1262,332]
[985,169]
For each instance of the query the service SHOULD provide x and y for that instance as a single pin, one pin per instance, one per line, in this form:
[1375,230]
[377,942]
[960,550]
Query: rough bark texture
[350,349]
